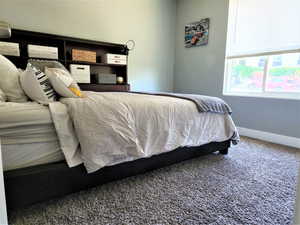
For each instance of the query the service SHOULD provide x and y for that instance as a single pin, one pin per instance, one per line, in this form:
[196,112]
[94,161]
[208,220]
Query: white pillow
[37,86]
[2,96]
[63,83]
[9,81]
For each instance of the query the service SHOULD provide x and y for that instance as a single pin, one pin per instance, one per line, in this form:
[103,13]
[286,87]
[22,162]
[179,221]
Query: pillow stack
[60,78]
[41,81]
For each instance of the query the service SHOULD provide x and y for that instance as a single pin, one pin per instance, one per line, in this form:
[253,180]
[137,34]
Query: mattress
[28,136]
[22,123]
[16,156]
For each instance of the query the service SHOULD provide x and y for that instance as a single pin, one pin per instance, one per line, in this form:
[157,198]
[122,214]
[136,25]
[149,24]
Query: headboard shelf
[65,45]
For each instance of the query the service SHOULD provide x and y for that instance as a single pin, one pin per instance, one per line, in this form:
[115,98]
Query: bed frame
[39,183]
[30,185]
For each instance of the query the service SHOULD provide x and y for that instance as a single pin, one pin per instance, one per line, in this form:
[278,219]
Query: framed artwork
[196,34]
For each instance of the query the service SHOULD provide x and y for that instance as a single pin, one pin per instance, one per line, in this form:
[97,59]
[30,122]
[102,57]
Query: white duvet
[115,127]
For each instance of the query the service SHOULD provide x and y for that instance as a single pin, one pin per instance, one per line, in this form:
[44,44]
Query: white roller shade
[263,26]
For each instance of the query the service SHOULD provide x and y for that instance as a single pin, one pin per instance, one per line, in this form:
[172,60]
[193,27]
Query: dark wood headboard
[65,46]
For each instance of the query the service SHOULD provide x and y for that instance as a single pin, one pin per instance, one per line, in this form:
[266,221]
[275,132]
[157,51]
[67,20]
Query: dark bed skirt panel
[39,183]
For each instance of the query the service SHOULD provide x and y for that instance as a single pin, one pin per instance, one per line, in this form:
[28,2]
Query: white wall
[151,23]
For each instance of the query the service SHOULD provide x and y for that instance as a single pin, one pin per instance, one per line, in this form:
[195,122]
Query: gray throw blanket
[203,103]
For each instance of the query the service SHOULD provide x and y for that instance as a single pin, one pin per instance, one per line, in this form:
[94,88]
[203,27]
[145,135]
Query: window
[246,75]
[264,74]
[263,49]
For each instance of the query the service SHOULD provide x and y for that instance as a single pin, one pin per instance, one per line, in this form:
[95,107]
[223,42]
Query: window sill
[295,96]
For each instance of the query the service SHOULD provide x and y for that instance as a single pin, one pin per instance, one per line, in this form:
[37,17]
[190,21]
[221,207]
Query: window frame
[263,93]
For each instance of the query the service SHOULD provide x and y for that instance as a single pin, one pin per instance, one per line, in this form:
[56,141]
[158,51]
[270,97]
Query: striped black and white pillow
[37,86]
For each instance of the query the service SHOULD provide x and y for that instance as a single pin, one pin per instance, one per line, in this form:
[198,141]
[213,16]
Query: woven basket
[83,55]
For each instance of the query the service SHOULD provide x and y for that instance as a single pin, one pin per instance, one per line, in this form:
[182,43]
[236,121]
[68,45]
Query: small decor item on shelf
[120,80]
[83,55]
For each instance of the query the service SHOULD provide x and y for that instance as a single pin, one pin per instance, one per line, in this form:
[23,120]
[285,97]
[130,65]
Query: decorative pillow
[37,86]
[2,96]
[63,83]
[43,64]
[9,81]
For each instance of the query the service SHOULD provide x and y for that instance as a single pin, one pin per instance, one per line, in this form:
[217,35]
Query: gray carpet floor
[254,184]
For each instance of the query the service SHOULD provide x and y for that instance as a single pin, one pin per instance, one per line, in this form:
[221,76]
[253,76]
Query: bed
[74,144]
[57,128]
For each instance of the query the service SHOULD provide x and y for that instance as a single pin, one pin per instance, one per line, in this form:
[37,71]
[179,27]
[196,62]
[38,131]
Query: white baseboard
[270,137]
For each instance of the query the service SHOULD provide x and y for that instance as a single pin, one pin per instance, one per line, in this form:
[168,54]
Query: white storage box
[116,59]
[9,48]
[81,73]
[46,52]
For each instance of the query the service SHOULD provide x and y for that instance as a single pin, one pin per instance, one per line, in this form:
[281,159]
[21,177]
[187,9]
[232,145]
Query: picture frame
[196,33]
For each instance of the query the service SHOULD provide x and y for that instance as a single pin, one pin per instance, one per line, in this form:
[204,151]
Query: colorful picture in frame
[196,34]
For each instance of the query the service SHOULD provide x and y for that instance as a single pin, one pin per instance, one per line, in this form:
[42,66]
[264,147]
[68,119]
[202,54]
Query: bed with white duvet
[108,128]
